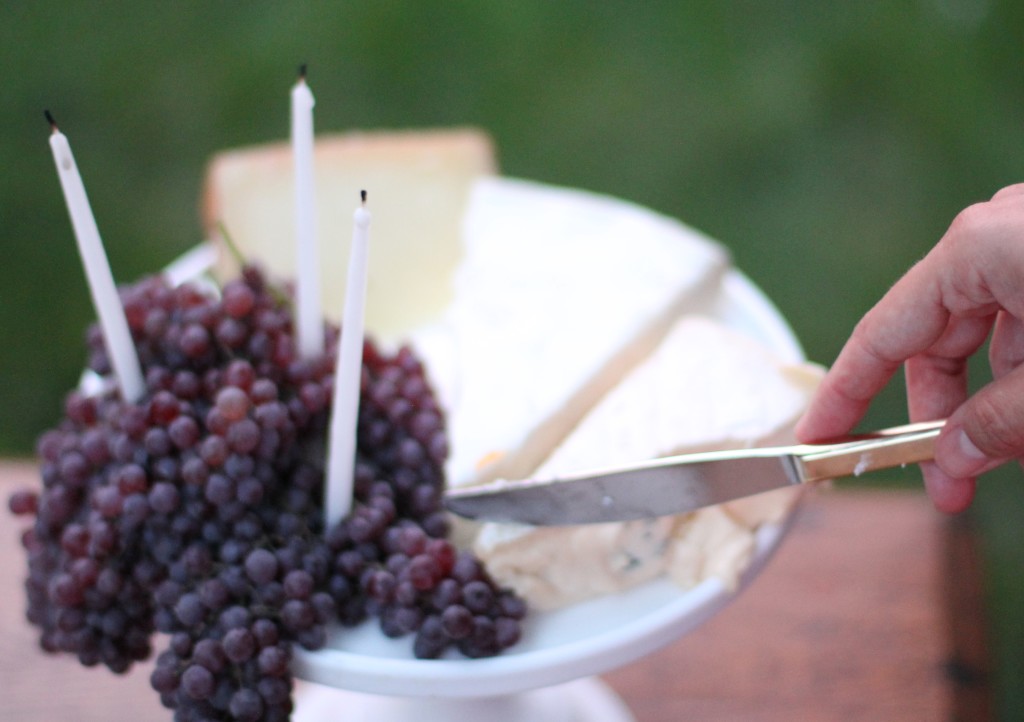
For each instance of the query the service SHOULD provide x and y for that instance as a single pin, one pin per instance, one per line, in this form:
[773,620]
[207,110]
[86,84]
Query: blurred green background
[828,145]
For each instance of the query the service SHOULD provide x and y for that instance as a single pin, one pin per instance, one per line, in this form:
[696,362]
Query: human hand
[931,322]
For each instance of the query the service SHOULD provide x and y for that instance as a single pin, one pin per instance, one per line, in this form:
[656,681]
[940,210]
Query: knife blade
[678,484]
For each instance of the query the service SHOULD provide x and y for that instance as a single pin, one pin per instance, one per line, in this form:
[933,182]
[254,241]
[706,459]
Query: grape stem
[236,253]
[233,248]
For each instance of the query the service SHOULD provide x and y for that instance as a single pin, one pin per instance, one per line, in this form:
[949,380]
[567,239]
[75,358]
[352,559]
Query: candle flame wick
[50,120]
[362,196]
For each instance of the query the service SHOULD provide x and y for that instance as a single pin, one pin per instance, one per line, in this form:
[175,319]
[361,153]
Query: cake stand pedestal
[582,700]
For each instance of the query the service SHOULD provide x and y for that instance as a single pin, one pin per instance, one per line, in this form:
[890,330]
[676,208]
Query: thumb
[987,430]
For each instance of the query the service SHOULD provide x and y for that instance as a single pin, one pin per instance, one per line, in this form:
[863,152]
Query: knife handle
[884,449]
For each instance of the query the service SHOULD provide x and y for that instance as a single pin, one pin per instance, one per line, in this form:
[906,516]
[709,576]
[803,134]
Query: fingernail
[962,458]
[967,446]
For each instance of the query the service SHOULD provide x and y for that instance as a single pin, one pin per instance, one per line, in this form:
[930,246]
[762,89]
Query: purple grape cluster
[197,512]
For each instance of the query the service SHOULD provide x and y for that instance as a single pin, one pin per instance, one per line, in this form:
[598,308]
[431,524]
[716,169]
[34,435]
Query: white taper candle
[105,299]
[309,315]
[341,452]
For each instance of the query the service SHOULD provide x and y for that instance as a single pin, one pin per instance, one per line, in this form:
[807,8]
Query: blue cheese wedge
[706,386]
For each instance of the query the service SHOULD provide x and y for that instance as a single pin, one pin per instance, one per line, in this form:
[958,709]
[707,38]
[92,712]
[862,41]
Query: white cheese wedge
[706,386]
[560,293]
[418,184]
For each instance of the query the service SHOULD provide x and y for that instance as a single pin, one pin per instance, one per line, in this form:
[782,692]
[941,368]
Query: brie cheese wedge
[559,294]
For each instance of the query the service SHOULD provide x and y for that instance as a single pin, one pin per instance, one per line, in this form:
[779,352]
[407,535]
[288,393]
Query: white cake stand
[549,675]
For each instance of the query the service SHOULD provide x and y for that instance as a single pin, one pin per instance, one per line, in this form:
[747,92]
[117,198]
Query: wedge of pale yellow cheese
[706,386]
[418,183]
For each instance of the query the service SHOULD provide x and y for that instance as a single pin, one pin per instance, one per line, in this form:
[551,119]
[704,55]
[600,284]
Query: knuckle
[1013,190]
[968,223]
[872,342]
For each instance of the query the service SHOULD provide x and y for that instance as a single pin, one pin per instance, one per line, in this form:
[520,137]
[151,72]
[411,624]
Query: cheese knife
[679,484]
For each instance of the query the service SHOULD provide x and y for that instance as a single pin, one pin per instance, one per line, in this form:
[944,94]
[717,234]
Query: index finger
[973,271]
[903,324]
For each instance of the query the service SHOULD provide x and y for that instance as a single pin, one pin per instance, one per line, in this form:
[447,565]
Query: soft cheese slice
[559,295]
[418,184]
[706,386]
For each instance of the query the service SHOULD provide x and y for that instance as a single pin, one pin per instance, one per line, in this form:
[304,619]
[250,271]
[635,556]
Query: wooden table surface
[849,621]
